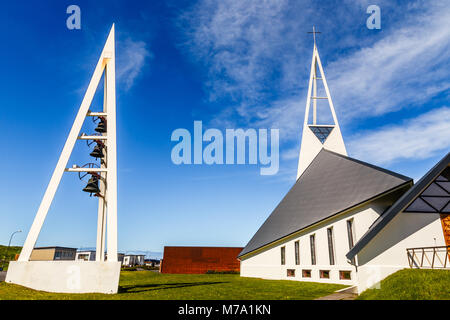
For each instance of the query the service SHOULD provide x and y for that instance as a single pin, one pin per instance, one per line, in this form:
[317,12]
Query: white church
[346,221]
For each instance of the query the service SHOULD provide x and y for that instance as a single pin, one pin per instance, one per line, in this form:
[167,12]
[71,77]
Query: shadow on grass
[163,286]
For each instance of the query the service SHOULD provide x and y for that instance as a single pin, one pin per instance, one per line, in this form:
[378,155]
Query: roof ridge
[309,165]
[390,172]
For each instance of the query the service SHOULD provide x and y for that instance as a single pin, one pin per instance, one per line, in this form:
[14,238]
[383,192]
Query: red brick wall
[190,260]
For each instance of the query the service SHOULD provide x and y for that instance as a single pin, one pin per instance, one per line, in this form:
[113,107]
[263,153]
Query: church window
[325,274]
[330,245]
[350,233]
[312,239]
[297,252]
[345,275]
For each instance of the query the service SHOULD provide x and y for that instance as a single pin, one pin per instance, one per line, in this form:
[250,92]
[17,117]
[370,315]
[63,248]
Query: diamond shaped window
[321,133]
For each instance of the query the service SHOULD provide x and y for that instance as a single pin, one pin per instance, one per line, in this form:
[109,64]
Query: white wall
[66,276]
[386,253]
[267,263]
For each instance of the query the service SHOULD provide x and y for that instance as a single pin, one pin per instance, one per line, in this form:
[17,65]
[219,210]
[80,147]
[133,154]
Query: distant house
[152,262]
[199,260]
[120,257]
[85,255]
[131,260]
[90,255]
[53,254]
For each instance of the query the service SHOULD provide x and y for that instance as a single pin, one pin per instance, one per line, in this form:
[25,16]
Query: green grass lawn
[412,284]
[150,285]
[8,255]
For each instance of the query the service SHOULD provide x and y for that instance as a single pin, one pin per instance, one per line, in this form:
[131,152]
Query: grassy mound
[412,284]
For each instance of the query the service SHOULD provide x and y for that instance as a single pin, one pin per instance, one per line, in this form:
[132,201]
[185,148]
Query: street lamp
[7,249]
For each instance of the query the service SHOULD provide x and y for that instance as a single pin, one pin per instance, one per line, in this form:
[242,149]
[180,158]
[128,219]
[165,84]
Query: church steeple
[318,135]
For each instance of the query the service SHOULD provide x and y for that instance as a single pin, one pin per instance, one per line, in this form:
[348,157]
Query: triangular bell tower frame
[316,137]
[98,276]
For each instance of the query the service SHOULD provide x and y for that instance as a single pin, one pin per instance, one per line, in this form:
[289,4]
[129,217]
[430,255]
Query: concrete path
[2,276]
[348,293]
[339,296]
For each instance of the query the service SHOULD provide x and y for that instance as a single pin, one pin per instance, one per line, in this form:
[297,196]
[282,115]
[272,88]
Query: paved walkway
[339,296]
[2,276]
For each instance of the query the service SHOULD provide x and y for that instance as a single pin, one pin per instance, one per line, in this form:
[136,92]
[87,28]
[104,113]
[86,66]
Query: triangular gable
[414,200]
[435,197]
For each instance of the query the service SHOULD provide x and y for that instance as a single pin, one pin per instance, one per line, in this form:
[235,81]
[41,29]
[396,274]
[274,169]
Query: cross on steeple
[314,32]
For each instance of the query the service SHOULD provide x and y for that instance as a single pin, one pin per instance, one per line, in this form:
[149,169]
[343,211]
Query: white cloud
[131,61]
[243,43]
[417,138]
[408,66]
[254,48]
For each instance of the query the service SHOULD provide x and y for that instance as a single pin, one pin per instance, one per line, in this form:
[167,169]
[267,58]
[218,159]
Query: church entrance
[445,219]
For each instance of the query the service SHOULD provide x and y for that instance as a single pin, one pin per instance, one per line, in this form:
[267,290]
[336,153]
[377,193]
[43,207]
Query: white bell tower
[318,135]
[101,275]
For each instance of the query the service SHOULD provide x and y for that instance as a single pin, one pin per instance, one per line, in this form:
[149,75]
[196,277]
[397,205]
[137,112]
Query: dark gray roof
[331,184]
[400,205]
[56,247]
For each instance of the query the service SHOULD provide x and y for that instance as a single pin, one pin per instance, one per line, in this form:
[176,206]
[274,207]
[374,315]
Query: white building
[346,221]
[133,260]
[85,255]
[152,262]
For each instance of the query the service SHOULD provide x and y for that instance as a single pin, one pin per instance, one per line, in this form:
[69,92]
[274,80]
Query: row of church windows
[312,241]
[323,274]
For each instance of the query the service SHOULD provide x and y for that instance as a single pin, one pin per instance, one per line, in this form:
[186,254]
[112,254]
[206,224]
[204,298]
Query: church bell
[92,186]
[101,128]
[97,152]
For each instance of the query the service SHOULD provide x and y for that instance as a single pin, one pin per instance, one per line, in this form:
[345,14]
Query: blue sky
[230,64]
